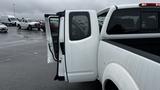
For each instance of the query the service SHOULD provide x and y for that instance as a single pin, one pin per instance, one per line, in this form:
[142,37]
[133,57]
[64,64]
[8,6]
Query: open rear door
[74,44]
[54,32]
[81,45]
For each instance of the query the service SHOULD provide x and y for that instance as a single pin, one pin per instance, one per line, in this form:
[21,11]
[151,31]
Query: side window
[79,27]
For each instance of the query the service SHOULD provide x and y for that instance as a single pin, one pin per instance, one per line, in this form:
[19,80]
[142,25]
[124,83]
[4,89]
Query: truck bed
[149,48]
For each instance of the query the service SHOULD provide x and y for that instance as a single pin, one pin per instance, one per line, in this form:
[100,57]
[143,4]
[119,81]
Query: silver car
[3,28]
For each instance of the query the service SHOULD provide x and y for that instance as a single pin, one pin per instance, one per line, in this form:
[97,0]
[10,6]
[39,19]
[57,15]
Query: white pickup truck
[122,51]
[28,24]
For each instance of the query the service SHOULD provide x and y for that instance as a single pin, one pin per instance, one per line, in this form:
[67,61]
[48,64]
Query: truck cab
[118,46]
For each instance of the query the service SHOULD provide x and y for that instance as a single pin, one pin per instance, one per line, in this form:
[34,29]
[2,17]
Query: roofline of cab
[118,7]
[128,6]
[103,11]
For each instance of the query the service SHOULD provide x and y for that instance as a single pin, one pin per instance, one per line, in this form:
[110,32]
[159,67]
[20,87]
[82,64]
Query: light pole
[14,10]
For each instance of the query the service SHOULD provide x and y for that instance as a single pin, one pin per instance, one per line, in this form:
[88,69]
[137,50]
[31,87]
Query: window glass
[79,27]
[149,22]
[101,20]
[131,21]
[13,19]
[54,27]
[124,21]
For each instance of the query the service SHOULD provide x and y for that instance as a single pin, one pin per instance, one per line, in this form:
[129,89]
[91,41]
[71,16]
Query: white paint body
[92,58]
[26,23]
[3,28]
[5,19]
[80,51]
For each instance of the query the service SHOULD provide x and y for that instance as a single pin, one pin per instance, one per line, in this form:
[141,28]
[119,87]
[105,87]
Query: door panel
[52,33]
[55,36]
[50,52]
[23,24]
[77,46]
[81,45]
[62,69]
[49,40]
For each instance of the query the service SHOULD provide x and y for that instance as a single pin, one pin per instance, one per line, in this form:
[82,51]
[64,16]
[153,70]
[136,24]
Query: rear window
[134,20]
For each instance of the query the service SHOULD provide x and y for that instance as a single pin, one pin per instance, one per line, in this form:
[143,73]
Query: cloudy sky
[36,8]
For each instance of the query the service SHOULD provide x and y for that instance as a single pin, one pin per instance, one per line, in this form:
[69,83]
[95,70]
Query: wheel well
[110,85]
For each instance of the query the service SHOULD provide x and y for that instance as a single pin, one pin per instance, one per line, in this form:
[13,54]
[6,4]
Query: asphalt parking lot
[23,64]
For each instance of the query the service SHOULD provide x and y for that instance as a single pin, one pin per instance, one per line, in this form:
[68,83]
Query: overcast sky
[36,8]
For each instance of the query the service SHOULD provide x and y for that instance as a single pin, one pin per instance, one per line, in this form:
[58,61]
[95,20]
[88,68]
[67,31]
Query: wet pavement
[15,36]
[23,64]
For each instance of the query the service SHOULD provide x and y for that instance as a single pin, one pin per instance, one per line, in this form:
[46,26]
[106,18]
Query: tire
[19,27]
[43,28]
[109,85]
[6,32]
[30,27]
[39,29]
[15,24]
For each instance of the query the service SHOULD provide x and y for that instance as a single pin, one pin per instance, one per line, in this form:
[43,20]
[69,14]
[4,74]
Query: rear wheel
[44,30]
[29,27]
[19,26]
[5,31]
[110,85]
[15,24]
[39,29]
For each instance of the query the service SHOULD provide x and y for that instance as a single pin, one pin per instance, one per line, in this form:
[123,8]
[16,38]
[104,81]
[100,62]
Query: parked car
[9,20]
[3,28]
[28,24]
